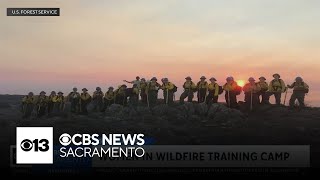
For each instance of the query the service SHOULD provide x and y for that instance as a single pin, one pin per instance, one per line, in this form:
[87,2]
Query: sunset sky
[100,43]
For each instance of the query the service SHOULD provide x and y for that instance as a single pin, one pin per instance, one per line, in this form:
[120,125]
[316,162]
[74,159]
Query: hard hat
[213,79]
[203,77]
[262,78]
[229,78]
[154,78]
[299,79]
[60,92]
[251,79]
[276,74]
[188,78]
[84,89]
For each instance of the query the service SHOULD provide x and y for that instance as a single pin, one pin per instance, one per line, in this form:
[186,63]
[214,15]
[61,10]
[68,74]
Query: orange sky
[103,42]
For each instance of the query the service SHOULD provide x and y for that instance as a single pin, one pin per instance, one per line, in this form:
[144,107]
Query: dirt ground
[268,125]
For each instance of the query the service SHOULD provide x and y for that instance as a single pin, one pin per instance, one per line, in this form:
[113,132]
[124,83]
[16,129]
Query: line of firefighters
[148,91]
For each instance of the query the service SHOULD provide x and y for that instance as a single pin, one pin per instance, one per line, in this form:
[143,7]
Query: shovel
[285,97]
[148,99]
[167,98]
[229,105]
[205,96]
[251,101]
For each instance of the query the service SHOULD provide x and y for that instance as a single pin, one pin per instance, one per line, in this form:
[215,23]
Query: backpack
[175,88]
[129,91]
[220,90]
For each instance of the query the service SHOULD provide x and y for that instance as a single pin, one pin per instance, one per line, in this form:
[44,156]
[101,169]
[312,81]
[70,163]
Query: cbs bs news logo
[34,145]
[65,139]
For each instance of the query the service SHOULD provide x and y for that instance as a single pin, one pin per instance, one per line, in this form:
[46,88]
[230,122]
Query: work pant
[107,103]
[143,96]
[121,99]
[186,93]
[202,95]
[75,105]
[264,97]
[277,96]
[232,102]
[134,99]
[27,110]
[247,99]
[41,111]
[98,104]
[169,95]
[84,105]
[211,98]
[153,97]
[299,96]
[50,107]
[57,107]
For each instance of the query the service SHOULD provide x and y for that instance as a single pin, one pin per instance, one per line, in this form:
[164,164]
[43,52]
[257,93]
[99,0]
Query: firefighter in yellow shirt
[85,99]
[213,89]
[27,105]
[263,92]
[97,99]
[50,103]
[300,88]
[121,95]
[74,98]
[189,88]
[202,87]
[152,91]
[58,103]
[134,95]
[232,90]
[143,86]
[109,97]
[250,93]
[41,104]
[168,90]
[276,87]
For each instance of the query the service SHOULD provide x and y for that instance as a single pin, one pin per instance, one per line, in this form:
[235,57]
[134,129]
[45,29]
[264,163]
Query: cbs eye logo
[65,139]
[38,145]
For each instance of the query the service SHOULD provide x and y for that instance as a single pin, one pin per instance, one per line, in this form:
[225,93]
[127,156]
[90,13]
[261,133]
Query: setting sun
[241,83]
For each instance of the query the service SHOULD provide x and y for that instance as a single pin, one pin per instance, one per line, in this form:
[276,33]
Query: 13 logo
[34,145]
[37,145]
